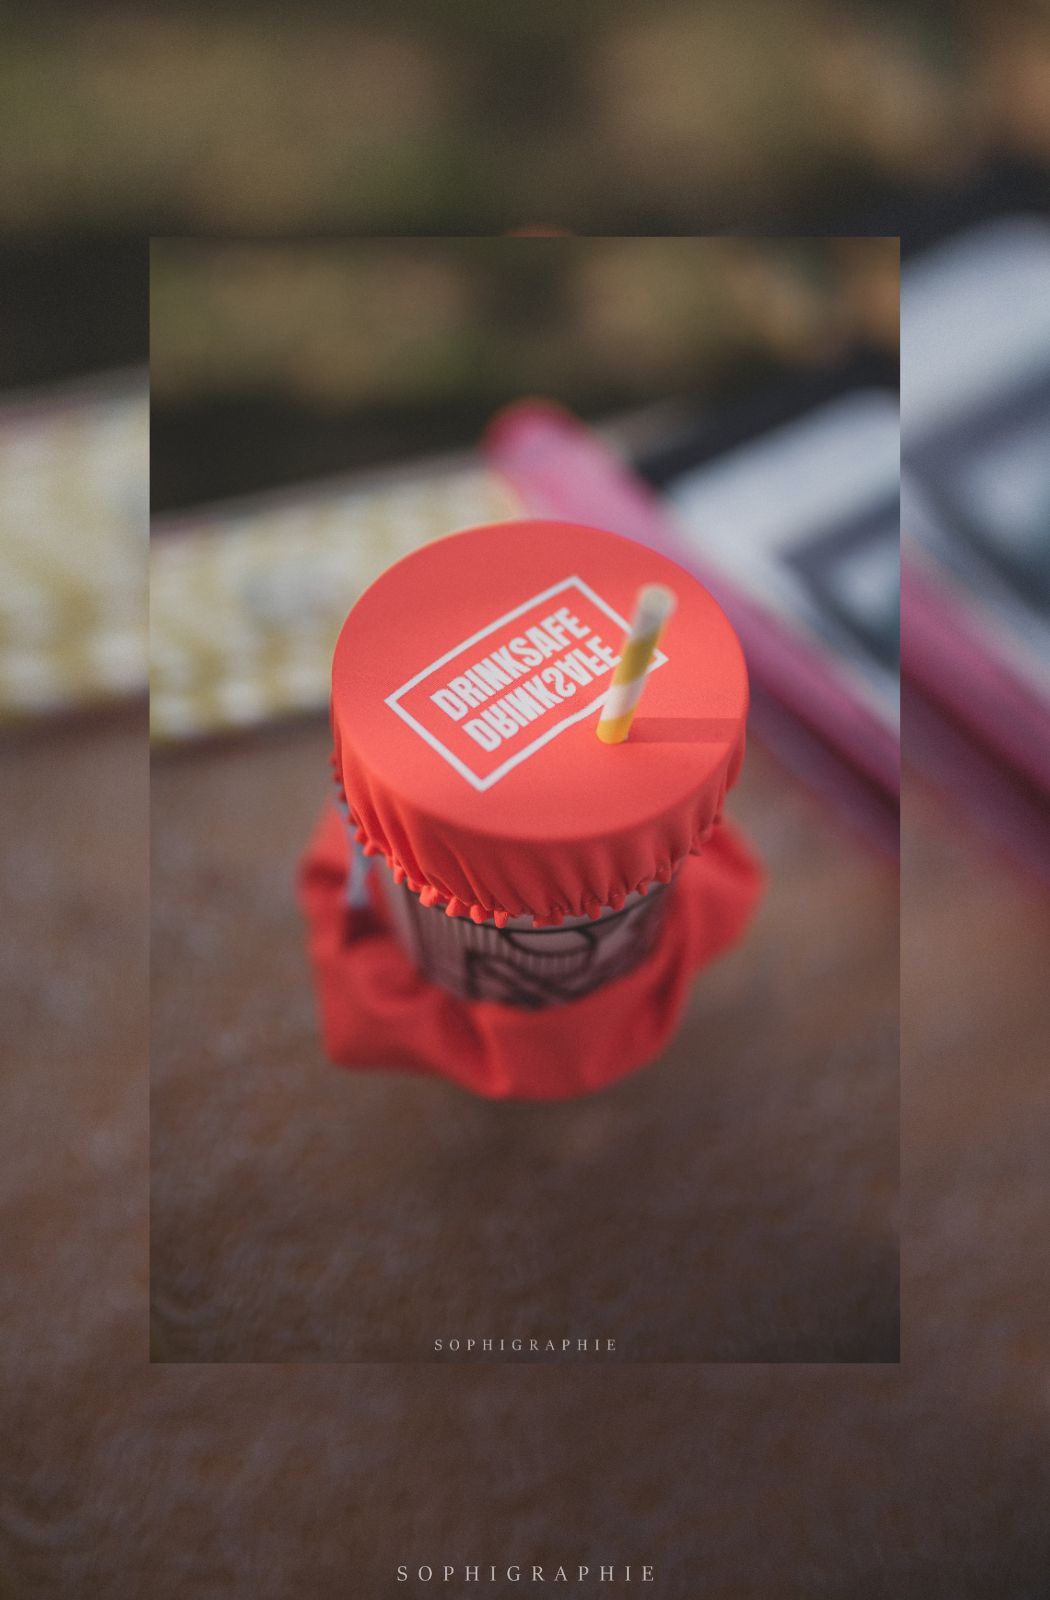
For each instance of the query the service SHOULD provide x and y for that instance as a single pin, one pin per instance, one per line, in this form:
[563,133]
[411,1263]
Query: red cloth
[495,817]
[377,1010]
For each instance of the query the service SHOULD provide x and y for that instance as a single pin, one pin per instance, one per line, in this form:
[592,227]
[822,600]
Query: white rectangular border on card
[527,750]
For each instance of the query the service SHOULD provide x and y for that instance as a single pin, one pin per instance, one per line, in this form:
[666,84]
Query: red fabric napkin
[378,1011]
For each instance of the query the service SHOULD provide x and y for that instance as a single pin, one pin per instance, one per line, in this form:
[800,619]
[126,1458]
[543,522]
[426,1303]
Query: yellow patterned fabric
[74,518]
[246,601]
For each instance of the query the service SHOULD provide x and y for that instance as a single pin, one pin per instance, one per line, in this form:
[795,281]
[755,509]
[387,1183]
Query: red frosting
[466,687]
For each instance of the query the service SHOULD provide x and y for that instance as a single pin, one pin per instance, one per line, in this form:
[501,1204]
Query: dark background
[236,120]
[280,363]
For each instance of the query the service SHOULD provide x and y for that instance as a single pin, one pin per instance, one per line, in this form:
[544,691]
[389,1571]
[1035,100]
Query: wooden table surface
[734,1202]
[926,1479]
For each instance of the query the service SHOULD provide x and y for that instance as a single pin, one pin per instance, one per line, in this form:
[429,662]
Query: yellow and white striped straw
[653,607]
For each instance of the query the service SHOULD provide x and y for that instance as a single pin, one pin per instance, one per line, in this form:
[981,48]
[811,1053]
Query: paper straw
[653,607]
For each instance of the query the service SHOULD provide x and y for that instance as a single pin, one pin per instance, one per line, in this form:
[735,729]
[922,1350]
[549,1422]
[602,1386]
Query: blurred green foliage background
[271,362]
[256,121]
[470,116]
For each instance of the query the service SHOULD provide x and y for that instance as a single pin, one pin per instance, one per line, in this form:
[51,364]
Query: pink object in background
[559,467]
